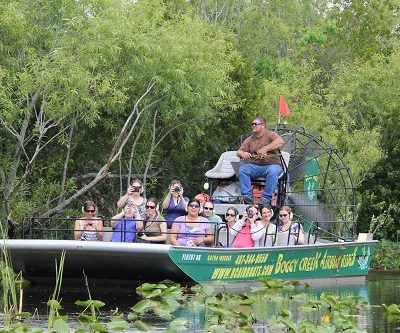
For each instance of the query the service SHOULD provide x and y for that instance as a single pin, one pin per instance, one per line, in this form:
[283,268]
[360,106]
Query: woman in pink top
[241,230]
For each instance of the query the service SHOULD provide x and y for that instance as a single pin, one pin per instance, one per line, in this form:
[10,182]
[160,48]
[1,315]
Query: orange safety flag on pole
[283,107]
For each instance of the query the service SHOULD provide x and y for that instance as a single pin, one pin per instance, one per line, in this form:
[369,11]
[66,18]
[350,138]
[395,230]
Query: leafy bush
[386,256]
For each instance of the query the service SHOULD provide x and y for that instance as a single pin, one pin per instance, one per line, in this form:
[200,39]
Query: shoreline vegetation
[386,256]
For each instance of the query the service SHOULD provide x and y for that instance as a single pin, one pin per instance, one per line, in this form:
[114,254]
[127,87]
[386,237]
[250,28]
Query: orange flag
[283,107]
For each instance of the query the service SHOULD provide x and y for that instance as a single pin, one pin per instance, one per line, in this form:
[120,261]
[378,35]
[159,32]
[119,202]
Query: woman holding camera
[90,227]
[124,224]
[154,228]
[134,197]
[241,230]
[175,204]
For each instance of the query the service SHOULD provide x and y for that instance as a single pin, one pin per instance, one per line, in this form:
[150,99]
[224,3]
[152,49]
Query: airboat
[316,183]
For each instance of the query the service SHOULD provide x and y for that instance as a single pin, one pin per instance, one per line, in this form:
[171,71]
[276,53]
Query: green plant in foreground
[162,299]
[90,320]
[9,282]
[393,312]
[56,322]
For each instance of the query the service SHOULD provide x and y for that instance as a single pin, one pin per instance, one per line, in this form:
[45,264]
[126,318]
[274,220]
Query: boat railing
[63,228]
[275,238]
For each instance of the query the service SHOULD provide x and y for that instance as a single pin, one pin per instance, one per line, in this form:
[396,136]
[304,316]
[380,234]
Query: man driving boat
[260,158]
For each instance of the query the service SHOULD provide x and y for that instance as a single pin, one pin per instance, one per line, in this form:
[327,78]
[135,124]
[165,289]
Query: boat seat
[107,233]
[222,236]
[224,168]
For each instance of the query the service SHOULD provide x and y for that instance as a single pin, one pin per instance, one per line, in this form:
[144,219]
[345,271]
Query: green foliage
[72,72]
[84,66]
[386,256]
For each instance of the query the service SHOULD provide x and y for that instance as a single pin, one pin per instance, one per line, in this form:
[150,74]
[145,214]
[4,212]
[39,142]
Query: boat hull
[300,262]
[133,263]
[101,262]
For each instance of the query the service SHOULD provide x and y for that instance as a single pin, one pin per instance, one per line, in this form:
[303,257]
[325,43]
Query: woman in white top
[133,197]
[287,226]
[89,227]
[263,231]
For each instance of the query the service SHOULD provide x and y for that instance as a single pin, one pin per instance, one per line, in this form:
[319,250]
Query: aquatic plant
[55,320]
[393,312]
[161,299]
[12,284]
[88,317]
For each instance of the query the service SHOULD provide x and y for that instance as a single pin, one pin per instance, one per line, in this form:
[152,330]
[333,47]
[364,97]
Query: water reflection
[380,288]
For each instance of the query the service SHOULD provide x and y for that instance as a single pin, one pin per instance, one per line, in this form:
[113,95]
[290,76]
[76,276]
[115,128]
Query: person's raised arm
[122,201]
[138,219]
[166,201]
[184,201]
[234,230]
[116,218]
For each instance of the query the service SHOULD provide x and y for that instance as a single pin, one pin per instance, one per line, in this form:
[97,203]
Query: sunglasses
[283,215]
[256,124]
[231,215]
[208,208]
[194,206]
[89,210]
[150,207]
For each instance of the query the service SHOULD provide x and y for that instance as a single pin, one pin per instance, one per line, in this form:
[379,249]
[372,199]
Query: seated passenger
[124,225]
[286,225]
[154,228]
[208,213]
[175,203]
[260,158]
[263,231]
[231,216]
[89,227]
[241,230]
[134,197]
[192,229]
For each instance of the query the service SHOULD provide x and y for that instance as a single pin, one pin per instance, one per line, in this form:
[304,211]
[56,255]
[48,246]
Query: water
[381,288]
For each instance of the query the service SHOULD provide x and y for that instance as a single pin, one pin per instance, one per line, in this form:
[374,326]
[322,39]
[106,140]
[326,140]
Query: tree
[98,71]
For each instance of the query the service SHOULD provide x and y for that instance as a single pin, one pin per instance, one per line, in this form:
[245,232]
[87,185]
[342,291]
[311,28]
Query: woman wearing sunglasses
[192,229]
[89,227]
[286,225]
[154,228]
[231,217]
[263,231]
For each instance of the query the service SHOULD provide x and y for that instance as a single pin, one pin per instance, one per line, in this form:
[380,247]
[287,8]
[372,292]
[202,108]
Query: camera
[177,189]
[135,188]
[249,212]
